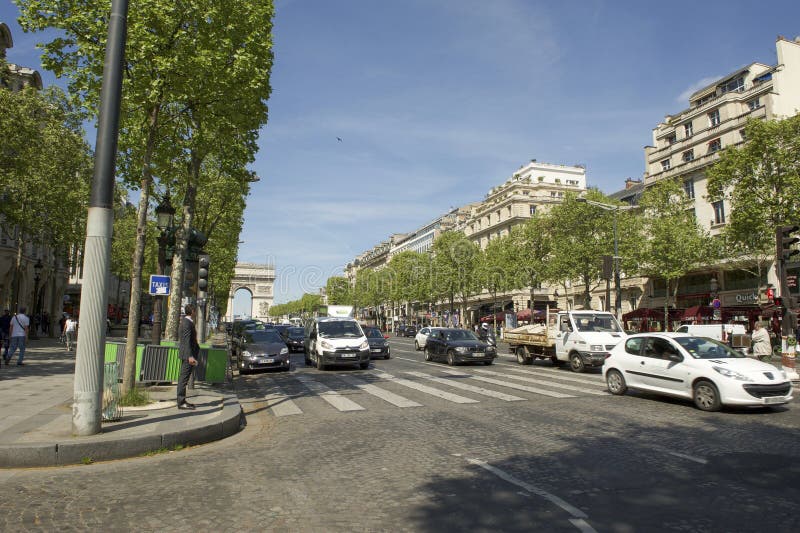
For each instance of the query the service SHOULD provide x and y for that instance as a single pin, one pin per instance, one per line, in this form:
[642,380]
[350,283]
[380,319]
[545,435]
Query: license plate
[477,354]
[348,355]
[376,350]
[774,399]
[265,361]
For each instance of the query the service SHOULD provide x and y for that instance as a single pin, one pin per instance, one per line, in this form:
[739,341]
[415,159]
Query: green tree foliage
[339,291]
[529,252]
[411,277]
[671,243]
[455,268]
[760,180]
[45,169]
[305,306]
[581,234]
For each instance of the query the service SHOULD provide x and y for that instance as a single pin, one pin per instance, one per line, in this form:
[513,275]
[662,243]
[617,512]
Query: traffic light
[203,262]
[786,241]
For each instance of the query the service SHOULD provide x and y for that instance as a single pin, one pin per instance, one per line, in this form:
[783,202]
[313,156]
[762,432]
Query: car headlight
[364,346]
[728,373]
[284,350]
[386,344]
[783,373]
[247,354]
[490,348]
[326,345]
[596,347]
[462,349]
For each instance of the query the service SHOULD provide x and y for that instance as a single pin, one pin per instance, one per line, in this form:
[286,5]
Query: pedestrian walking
[5,330]
[45,323]
[20,326]
[760,341]
[70,332]
[188,352]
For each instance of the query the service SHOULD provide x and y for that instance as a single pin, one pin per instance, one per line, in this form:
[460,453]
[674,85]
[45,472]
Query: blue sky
[437,101]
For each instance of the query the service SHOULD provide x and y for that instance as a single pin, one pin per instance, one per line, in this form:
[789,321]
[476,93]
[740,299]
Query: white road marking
[552,498]
[558,374]
[546,383]
[331,396]
[427,390]
[463,386]
[516,386]
[281,405]
[383,394]
[689,457]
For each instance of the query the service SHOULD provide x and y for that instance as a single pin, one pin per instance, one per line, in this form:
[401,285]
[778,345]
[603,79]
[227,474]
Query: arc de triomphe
[259,280]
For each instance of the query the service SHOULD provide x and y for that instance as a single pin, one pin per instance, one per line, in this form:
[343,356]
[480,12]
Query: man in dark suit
[188,351]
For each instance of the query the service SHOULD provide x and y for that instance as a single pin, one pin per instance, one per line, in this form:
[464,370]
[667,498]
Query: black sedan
[458,346]
[295,337]
[407,331]
[378,345]
[263,349]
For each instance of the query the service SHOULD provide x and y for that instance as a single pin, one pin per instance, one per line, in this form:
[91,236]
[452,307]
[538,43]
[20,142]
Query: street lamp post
[165,214]
[616,209]
[37,276]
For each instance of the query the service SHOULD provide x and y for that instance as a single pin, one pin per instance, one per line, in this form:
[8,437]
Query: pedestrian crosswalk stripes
[427,390]
[281,405]
[553,373]
[331,396]
[470,388]
[378,392]
[283,397]
[516,386]
[545,383]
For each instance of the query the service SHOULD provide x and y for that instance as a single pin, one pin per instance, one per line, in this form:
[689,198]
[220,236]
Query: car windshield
[262,337]
[592,322]
[705,348]
[296,333]
[340,328]
[373,333]
[460,335]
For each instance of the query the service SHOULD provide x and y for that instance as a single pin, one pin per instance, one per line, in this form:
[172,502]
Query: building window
[743,133]
[688,188]
[552,194]
[713,118]
[533,210]
[687,156]
[572,182]
[540,178]
[672,138]
[719,212]
[687,130]
[734,85]
[665,164]
[714,146]
[753,104]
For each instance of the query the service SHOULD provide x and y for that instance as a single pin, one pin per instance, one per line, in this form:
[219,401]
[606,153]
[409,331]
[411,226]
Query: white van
[713,331]
[336,341]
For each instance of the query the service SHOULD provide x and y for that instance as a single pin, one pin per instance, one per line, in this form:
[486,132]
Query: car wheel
[387,356]
[576,363]
[616,383]
[521,356]
[307,361]
[364,365]
[320,364]
[428,356]
[451,358]
[416,345]
[488,363]
[706,396]
[555,361]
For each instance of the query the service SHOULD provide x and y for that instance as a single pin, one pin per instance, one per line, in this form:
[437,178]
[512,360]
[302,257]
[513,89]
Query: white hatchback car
[422,337]
[698,368]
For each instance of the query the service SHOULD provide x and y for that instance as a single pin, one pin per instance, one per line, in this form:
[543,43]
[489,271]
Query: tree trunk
[179,259]
[134,309]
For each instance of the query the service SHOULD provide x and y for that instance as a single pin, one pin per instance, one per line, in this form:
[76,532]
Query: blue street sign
[716,304]
[159,285]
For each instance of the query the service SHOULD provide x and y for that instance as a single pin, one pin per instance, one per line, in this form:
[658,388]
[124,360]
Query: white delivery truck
[335,338]
[581,338]
[733,334]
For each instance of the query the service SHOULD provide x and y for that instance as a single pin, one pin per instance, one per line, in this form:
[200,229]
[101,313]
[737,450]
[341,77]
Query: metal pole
[87,400]
[155,333]
[617,289]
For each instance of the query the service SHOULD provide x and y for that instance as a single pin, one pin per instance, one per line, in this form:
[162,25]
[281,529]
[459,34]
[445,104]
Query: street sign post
[159,285]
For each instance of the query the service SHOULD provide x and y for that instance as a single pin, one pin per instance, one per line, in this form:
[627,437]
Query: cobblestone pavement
[408,446]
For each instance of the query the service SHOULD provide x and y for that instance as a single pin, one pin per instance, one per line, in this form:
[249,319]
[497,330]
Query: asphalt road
[409,446]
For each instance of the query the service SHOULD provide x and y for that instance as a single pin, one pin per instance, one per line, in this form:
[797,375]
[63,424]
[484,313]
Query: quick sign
[159,285]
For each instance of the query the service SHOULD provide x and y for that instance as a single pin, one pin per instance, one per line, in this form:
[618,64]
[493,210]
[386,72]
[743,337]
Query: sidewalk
[36,415]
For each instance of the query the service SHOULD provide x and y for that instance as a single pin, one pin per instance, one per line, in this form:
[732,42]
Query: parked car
[378,345]
[457,346]
[701,369]
[406,331]
[263,349]
[294,338]
[422,336]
